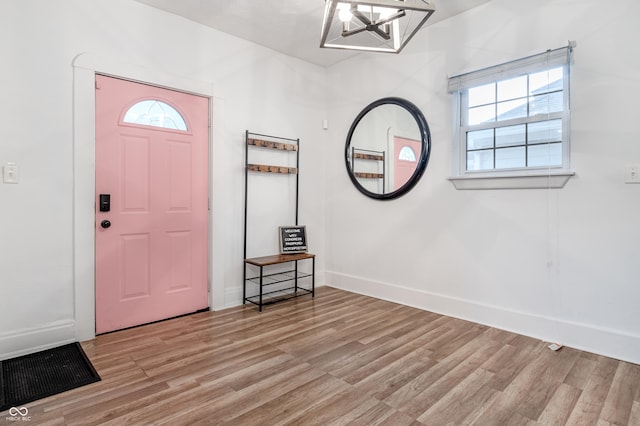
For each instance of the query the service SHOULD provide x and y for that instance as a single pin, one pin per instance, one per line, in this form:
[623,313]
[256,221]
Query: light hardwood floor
[342,358]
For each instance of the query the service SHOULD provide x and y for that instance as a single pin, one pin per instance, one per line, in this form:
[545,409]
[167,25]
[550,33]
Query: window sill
[513,181]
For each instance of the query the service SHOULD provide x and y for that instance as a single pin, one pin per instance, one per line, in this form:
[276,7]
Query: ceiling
[287,26]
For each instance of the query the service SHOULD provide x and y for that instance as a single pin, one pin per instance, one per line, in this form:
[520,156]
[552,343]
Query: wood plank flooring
[340,359]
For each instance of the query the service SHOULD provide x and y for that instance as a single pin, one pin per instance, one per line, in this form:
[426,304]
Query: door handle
[105,224]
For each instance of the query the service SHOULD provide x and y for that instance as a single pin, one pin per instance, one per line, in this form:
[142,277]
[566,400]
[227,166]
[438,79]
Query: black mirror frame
[425,136]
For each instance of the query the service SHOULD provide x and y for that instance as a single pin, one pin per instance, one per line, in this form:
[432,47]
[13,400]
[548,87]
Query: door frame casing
[85,67]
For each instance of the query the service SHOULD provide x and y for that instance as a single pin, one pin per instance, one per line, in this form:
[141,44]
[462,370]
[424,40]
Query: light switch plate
[632,173]
[10,173]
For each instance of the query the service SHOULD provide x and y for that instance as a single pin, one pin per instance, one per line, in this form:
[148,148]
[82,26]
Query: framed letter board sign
[293,239]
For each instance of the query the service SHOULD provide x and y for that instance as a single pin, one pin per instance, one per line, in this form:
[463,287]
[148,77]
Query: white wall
[253,88]
[555,264]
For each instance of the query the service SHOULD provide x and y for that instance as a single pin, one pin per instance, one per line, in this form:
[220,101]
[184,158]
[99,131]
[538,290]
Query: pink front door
[406,155]
[151,244]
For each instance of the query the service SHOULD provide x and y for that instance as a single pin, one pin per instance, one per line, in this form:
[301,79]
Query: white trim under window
[512,123]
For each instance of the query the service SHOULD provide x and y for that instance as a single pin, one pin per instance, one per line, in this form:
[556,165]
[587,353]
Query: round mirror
[387,148]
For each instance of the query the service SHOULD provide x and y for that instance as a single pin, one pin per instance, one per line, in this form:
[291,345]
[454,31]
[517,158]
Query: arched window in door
[407,154]
[155,113]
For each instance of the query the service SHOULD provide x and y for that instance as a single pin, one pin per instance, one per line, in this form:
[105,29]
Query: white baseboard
[23,342]
[232,297]
[586,337]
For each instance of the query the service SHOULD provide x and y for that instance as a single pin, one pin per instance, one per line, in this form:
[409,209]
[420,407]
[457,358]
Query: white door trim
[85,66]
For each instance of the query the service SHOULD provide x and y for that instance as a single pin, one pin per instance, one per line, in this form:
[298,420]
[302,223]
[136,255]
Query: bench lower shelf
[271,297]
[293,276]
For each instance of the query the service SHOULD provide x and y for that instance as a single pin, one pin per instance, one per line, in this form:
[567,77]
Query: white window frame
[525,177]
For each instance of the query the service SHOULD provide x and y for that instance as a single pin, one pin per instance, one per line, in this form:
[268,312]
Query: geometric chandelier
[373,25]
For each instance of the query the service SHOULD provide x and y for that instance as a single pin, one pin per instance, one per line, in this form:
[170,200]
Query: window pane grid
[515,123]
[483,154]
[485,106]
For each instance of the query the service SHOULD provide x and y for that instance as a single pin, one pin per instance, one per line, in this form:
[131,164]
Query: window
[155,113]
[512,121]
[407,154]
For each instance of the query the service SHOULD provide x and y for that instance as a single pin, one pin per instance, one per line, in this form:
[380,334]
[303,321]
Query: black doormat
[41,374]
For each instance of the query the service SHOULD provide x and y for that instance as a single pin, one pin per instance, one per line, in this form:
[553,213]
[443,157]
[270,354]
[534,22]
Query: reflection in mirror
[387,148]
